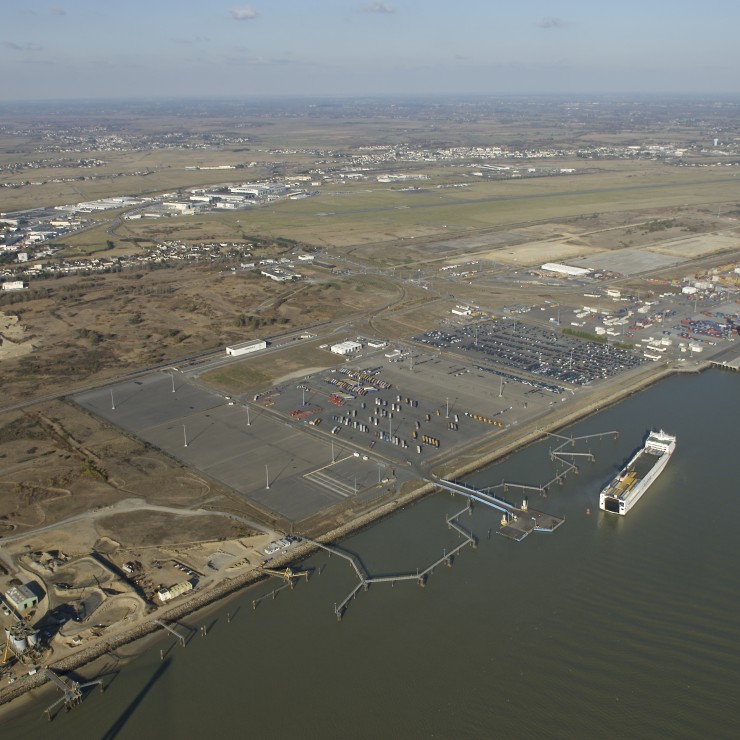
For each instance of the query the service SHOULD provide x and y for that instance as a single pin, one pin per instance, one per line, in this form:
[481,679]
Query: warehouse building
[244,348]
[345,348]
[21,598]
[569,270]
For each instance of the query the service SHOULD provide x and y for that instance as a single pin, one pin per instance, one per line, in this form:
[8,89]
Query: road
[127,506]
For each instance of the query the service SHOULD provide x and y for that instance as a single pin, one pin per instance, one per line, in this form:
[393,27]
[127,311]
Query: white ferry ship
[626,488]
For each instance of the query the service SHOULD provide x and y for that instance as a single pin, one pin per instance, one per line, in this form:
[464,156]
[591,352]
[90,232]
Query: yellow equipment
[287,574]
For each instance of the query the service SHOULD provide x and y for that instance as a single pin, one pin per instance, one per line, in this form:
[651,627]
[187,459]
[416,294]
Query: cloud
[22,47]
[378,7]
[58,11]
[551,21]
[243,14]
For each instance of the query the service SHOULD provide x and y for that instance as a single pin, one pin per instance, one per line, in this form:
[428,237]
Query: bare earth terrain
[135,455]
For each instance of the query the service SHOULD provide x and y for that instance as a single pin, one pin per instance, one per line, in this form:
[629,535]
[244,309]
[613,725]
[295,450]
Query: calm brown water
[608,628]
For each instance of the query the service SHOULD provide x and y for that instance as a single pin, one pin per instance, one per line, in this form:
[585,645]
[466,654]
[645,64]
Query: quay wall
[229,586]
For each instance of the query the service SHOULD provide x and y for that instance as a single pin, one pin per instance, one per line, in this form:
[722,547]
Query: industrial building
[345,348]
[244,348]
[21,598]
[167,594]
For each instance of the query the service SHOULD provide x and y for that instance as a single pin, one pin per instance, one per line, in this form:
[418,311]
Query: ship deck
[644,463]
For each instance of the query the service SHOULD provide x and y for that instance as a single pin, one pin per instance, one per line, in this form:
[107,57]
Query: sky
[90,49]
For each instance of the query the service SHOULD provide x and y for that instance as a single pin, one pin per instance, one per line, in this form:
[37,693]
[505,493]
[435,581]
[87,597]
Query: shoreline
[12,697]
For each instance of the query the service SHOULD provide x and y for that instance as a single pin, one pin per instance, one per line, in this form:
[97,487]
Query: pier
[365,580]
[172,631]
[71,691]
[516,521]
[566,457]
[519,521]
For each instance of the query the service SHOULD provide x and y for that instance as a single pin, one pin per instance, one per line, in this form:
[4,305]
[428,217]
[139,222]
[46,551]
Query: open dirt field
[60,462]
[90,327]
[535,254]
[13,341]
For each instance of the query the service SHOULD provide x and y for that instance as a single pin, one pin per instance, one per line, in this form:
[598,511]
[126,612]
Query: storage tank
[18,643]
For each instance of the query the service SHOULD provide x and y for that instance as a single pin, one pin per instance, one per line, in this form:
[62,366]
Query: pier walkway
[519,521]
[365,580]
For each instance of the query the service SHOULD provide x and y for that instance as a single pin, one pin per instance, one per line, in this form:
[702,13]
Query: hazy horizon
[77,49]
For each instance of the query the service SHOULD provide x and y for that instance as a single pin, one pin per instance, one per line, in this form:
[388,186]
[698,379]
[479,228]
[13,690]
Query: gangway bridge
[516,521]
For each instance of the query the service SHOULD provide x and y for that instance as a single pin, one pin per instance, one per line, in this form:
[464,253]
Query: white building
[13,285]
[345,348]
[167,594]
[244,348]
[565,269]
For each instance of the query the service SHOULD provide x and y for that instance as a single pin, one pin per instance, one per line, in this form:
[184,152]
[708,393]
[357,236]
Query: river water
[610,627]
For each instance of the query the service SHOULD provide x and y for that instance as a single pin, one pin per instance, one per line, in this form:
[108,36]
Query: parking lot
[266,457]
[307,445]
[537,350]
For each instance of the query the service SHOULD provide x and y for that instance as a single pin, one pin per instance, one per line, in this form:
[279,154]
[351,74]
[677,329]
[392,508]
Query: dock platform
[521,523]
[516,522]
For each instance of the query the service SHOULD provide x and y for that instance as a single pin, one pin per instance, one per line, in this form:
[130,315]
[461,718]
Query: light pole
[112,402]
[267,478]
[185,435]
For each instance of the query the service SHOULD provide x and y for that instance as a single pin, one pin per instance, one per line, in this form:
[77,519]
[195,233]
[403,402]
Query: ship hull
[630,484]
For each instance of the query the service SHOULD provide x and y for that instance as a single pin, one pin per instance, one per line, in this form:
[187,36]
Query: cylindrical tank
[18,644]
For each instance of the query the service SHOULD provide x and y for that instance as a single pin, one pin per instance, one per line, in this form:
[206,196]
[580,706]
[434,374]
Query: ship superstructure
[626,488]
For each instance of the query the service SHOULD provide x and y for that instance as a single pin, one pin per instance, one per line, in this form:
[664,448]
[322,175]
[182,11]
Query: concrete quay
[473,460]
